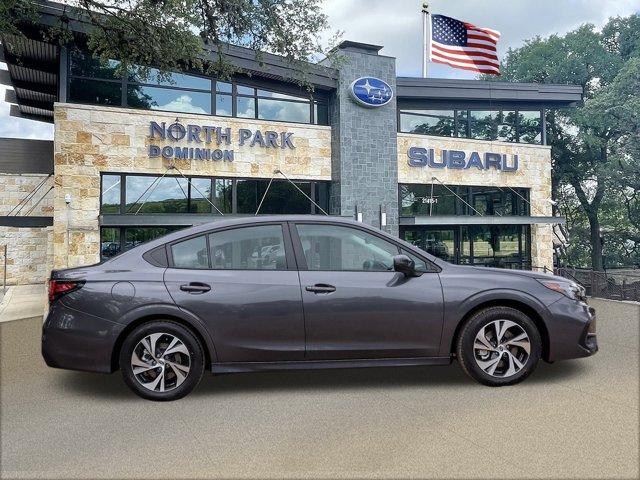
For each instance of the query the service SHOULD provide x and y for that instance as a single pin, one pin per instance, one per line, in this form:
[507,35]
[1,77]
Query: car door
[355,305]
[242,282]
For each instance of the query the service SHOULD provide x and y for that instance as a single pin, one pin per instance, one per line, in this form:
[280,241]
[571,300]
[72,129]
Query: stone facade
[363,143]
[92,139]
[534,173]
[29,250]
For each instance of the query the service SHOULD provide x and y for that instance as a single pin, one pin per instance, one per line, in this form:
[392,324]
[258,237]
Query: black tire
[195,360]
[465,345]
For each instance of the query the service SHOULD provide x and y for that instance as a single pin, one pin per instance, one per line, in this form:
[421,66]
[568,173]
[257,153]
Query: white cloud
[184,103]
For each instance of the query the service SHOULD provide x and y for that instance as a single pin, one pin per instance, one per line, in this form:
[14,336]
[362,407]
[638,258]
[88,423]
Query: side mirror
[406,266]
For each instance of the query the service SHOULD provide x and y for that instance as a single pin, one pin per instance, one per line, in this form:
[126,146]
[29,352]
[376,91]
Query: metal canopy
[480,220]
[469,92]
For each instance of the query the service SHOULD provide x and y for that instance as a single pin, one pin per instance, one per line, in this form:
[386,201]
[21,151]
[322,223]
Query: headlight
[568,289]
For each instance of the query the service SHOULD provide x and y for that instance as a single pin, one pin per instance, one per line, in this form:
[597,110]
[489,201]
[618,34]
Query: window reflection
[224,105]
[156,98]
[154,195]
[95,92]
[245,107]
[248,248]
[200,195]
[110,242]
[153,76]
[418,200]
[85,65]
[429,122]
[283,111]
[116,239]
[110,194]
[529,124]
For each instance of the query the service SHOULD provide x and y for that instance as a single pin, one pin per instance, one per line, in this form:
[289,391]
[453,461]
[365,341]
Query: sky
[397,25]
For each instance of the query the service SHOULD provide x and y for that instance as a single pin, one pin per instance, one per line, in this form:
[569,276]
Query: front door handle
[195,287]
[320,288]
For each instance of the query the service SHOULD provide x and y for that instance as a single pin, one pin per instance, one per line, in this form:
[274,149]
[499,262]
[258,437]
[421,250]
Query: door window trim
[302,260]
[286,238]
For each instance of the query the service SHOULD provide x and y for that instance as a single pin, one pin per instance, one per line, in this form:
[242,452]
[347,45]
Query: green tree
[172,35]
[593,145]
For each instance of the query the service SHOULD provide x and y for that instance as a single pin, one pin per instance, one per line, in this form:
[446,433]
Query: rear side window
[190,253]
[248,248]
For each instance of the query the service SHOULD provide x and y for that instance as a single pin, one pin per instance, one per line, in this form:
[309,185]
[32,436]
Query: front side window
[248,248]
[338,248]
[191,253]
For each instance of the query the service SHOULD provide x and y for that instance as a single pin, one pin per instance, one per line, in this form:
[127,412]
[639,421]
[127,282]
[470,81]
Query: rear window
[191,253]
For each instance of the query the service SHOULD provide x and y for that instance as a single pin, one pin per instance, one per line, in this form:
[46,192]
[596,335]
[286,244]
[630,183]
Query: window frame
[290,260]
[301,260]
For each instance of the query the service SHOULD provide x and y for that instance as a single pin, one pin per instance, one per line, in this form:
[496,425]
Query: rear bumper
[572,330]
[75,340]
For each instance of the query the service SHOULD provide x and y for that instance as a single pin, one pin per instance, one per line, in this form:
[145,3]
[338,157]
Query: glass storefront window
[503,125]
[92,81]
[417,200]
[150,194]
[222,195]
[95,92]
[113,240]
[428,122]
[246,107]
[281,110]
[158,98]
[200,195]
[180,80]
[146,194]
[502,246]
[224,105]
[110,242]
[110,202]
[529,127]
[83,64]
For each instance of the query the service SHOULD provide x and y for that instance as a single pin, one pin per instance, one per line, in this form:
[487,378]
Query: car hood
[521,273]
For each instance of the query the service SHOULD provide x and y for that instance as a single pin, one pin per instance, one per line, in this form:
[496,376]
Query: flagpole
[426,37]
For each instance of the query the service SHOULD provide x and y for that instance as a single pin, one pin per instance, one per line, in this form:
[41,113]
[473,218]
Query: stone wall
[29,250]
[364,144]
[534,173]
[29,254]
[92,139]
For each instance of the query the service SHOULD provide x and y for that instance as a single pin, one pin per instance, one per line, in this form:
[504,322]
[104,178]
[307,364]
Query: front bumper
[572,330]
[78,341]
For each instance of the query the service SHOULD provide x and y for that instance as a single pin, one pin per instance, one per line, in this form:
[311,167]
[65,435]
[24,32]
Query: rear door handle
[195,287]
[320,288]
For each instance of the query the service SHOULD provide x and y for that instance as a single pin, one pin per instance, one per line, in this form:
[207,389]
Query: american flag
[463,45]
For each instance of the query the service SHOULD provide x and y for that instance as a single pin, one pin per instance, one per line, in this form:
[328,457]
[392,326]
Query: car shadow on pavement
[113,387]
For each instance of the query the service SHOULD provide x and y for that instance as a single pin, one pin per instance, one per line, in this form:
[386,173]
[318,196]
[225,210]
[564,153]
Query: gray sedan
[301,292]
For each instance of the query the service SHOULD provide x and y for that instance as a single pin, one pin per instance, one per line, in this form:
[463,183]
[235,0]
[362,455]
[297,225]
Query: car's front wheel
[161,360]
[499,346]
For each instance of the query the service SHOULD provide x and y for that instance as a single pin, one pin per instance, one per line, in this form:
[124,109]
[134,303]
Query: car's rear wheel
[161,360]
[499,346]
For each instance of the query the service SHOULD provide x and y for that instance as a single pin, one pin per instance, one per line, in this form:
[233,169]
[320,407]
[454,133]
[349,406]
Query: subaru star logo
[371,92]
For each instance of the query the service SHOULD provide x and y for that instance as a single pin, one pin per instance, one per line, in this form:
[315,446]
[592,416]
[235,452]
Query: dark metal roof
[33,73]
[466,91]
[19,155]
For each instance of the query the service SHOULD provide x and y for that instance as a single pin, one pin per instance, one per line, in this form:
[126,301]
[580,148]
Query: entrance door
[242,282]
[355,305]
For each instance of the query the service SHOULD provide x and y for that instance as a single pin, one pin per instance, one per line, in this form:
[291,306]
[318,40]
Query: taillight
[58,288]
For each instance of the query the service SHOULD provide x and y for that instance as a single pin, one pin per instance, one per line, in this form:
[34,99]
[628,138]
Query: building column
[364,141]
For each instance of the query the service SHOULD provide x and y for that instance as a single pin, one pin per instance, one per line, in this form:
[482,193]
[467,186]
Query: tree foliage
[595,147]
[171,35]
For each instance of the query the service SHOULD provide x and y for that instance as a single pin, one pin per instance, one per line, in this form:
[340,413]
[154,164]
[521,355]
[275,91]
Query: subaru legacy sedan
[300,292]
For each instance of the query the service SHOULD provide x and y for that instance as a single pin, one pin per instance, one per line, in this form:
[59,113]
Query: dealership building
[460,168]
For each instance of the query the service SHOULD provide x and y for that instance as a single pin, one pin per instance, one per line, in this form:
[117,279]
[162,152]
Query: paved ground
[22,301]
[576,419]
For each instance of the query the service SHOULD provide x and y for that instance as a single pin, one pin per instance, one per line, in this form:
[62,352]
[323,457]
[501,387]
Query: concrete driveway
[574,419]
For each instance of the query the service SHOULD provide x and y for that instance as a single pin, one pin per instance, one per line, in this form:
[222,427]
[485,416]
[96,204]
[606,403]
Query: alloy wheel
[501,348]
[160,362]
